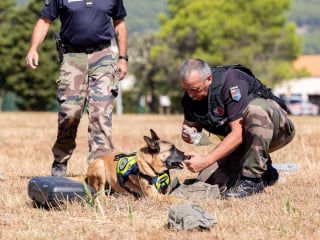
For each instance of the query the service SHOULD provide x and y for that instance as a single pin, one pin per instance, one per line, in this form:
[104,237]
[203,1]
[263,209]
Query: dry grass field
[288,210]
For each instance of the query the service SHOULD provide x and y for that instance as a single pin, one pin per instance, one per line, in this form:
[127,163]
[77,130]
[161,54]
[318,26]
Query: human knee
[257,116]
[70,114]
[254,111]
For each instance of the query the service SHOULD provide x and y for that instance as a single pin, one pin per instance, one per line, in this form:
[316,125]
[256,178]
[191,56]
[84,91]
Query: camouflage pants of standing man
[266,128]
[85,81]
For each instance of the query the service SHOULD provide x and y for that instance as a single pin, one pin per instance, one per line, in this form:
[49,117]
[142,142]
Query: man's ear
[152,144]
[209,79]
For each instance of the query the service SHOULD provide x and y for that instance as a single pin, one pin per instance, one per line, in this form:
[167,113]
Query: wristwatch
[124,57]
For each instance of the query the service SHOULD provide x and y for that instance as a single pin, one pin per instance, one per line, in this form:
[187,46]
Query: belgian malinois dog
[144,173]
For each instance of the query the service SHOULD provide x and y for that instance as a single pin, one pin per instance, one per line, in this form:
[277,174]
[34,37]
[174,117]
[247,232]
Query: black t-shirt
[235,95]
[83,24]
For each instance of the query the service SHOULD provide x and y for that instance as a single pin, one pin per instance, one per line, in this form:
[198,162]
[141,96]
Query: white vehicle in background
[297,106]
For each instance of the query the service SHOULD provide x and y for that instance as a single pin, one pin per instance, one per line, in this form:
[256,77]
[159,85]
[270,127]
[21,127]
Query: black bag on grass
[53,191]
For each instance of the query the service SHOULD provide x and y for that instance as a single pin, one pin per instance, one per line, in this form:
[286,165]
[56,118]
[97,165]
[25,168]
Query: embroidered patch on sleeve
[218,111]
[235,93]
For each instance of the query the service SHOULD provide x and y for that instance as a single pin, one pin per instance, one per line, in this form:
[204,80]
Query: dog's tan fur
[151,160]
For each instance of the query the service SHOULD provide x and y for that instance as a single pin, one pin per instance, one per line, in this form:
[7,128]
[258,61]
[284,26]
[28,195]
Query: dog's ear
[153,145]
[154,135]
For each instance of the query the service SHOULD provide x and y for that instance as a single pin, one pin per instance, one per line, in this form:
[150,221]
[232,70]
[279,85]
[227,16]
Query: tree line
[254,33]
[306,15]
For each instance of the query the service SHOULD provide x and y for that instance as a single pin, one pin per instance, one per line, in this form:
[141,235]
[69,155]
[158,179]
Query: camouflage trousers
[86,81]
[267,128]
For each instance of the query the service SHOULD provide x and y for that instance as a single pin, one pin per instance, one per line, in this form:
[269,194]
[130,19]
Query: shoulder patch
[235,93]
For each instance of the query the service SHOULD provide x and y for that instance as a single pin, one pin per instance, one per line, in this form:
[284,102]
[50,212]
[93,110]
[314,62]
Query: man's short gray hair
[194,64]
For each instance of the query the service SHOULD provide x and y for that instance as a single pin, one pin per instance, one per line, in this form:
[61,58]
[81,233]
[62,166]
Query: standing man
[251,122]
[89,72]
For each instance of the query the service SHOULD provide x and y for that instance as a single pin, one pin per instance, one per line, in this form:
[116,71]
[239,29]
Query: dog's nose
[186,157]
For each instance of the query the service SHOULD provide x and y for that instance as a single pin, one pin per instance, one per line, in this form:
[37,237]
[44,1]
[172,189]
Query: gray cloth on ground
[188,216]
[193,189]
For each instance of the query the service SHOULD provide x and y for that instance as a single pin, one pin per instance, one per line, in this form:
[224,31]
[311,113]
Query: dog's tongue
[177,165]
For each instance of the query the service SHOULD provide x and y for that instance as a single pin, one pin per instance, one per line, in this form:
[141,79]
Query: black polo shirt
[85,23]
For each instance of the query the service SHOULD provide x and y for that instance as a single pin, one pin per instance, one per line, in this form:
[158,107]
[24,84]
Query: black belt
[91,49]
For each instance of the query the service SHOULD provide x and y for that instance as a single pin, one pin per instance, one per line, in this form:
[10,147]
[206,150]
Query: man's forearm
[121,36]
[39,33]
[231,142]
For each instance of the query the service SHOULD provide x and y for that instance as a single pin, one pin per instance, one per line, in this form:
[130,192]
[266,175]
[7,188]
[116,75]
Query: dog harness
[127,164]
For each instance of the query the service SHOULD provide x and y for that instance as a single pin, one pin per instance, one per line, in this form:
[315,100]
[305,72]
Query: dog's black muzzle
[175,159]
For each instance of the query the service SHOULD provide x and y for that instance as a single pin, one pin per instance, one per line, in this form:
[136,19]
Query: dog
[144,173]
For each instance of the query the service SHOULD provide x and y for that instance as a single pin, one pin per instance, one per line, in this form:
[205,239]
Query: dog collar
[127,164]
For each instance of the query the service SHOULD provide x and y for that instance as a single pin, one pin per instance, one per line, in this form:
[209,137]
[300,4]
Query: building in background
[302,95]
[311,63]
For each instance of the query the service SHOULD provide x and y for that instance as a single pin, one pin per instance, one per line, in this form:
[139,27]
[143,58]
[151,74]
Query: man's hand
[32,59]
[186,134]
[196,163]
[123,68]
